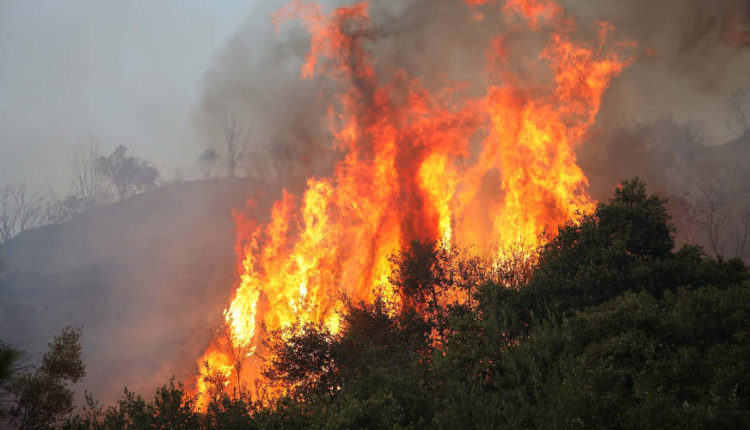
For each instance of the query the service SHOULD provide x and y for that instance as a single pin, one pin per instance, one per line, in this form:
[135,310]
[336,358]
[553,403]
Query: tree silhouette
[129,174]
[39,397]
[235,140]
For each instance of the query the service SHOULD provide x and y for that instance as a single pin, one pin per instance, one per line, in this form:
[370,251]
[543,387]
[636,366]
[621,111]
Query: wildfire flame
[416,164]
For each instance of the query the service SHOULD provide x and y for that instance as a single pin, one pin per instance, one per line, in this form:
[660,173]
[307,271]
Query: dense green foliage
[610,329]
[34,397]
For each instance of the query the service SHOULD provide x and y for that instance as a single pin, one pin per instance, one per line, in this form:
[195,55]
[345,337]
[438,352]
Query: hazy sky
[123,72]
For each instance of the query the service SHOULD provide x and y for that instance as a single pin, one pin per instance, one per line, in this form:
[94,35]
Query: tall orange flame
[416,165]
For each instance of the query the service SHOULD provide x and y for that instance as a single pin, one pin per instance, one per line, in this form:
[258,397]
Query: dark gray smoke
[661,119]
[691,56]
[698,57]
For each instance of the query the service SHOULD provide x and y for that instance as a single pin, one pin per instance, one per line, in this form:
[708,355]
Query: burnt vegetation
[610,327]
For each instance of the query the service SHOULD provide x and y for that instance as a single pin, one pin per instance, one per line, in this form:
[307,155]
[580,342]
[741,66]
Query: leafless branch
[235,139]
[88,181]
[20,210]
[715,209]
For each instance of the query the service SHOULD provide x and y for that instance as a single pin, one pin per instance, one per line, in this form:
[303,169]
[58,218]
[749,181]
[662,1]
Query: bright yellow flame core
[407,174]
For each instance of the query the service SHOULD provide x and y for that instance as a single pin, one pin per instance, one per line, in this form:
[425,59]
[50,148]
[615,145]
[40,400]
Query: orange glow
[497,170]
[534,11]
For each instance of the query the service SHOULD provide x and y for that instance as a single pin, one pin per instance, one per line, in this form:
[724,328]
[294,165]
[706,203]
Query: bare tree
[714,209]
[742,232]
[20,210]
[685,218]
[28,206]
[88,181]
[235,139]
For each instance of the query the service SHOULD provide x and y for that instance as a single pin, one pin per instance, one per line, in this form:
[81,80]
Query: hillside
[146,278]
